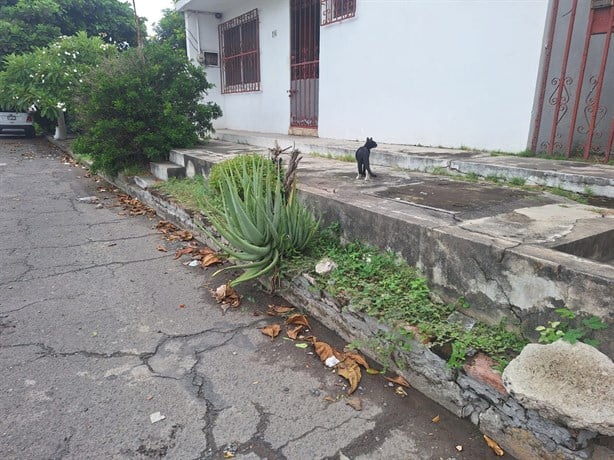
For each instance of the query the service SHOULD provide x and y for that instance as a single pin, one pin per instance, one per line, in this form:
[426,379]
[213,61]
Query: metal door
[575,102]
[304,66]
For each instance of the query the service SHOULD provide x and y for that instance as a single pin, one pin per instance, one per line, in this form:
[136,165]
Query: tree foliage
[46,77]
[138,105]
[28,24]
[171,29]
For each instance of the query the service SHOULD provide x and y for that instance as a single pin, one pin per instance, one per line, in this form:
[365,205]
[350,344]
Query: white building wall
[432,72]
[268,109]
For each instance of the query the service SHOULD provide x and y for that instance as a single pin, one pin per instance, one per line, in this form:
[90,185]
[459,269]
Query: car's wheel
[30,133]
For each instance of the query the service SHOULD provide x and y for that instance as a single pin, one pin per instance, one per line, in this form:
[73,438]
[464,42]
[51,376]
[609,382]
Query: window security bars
[337,10]
[240,52]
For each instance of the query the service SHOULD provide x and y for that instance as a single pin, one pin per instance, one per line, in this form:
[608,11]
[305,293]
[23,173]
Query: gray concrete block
[164,170]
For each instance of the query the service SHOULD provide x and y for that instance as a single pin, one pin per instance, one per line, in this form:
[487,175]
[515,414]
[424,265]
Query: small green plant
[440,171]
[82,159]
[329,156]
[472,177]
[564,329]
[567,194]
[385,287]
[517,181]
[494,178]
[588,191]
[261,223]
[190,192]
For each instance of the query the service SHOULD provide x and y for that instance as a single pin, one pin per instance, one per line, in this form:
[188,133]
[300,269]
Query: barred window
[240,52]
[337,10]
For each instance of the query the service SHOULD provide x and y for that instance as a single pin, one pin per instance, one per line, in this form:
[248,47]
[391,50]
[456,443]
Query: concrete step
[177,157]
[145,182]
[164,170]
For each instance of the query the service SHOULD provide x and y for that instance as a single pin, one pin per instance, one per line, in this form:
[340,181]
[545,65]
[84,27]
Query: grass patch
[385,287]
[82,159]
[517,181]
[190,193]
[567,194]
[329,156]
[495,179]
[440,171]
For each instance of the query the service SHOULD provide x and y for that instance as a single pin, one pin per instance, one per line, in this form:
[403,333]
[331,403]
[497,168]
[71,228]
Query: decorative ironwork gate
[304,65]
[575,105]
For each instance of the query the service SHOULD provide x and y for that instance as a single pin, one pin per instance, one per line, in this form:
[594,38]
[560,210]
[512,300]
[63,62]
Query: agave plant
[259,222]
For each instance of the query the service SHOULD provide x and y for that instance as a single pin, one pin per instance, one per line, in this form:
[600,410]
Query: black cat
[362,159]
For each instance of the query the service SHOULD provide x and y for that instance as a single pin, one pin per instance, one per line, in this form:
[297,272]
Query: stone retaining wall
[475,392]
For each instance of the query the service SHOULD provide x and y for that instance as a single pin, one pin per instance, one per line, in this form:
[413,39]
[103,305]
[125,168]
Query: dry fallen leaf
[183,251]
[278,310]
[294,332]
[436,419]
[185,235]
[329,399]
[182,305]
[354,403]
[164,226]
[298,319]
[399,380]
[210,259]
[323,350]
[161,248]
[134,207]
[358,358]
[272,330]
[350,371]
[494,446]
[224,294]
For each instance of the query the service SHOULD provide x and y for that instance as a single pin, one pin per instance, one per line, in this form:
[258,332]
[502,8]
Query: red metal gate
[578,66]
[304,65]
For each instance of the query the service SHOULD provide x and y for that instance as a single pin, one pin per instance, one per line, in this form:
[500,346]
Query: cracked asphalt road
[93,341]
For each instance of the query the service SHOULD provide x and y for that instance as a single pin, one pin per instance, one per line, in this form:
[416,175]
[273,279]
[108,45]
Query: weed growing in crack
[569,330]
[385,287]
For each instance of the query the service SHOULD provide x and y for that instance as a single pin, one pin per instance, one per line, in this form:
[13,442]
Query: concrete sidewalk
[574,176]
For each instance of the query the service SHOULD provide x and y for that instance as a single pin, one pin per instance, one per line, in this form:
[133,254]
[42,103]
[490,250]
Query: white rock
[156,417]
[88,199]
[325,266]
[332,361]
[571,384]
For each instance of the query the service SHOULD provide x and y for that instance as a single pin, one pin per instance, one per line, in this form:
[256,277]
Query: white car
[17,121]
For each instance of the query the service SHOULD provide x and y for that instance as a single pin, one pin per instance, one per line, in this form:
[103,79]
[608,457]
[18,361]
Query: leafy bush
[134,108]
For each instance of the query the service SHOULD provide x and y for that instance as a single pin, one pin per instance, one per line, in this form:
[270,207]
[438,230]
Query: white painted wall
[432,72]
[268,109]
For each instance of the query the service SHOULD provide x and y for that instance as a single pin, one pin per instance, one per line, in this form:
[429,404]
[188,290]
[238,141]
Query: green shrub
[137,106]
